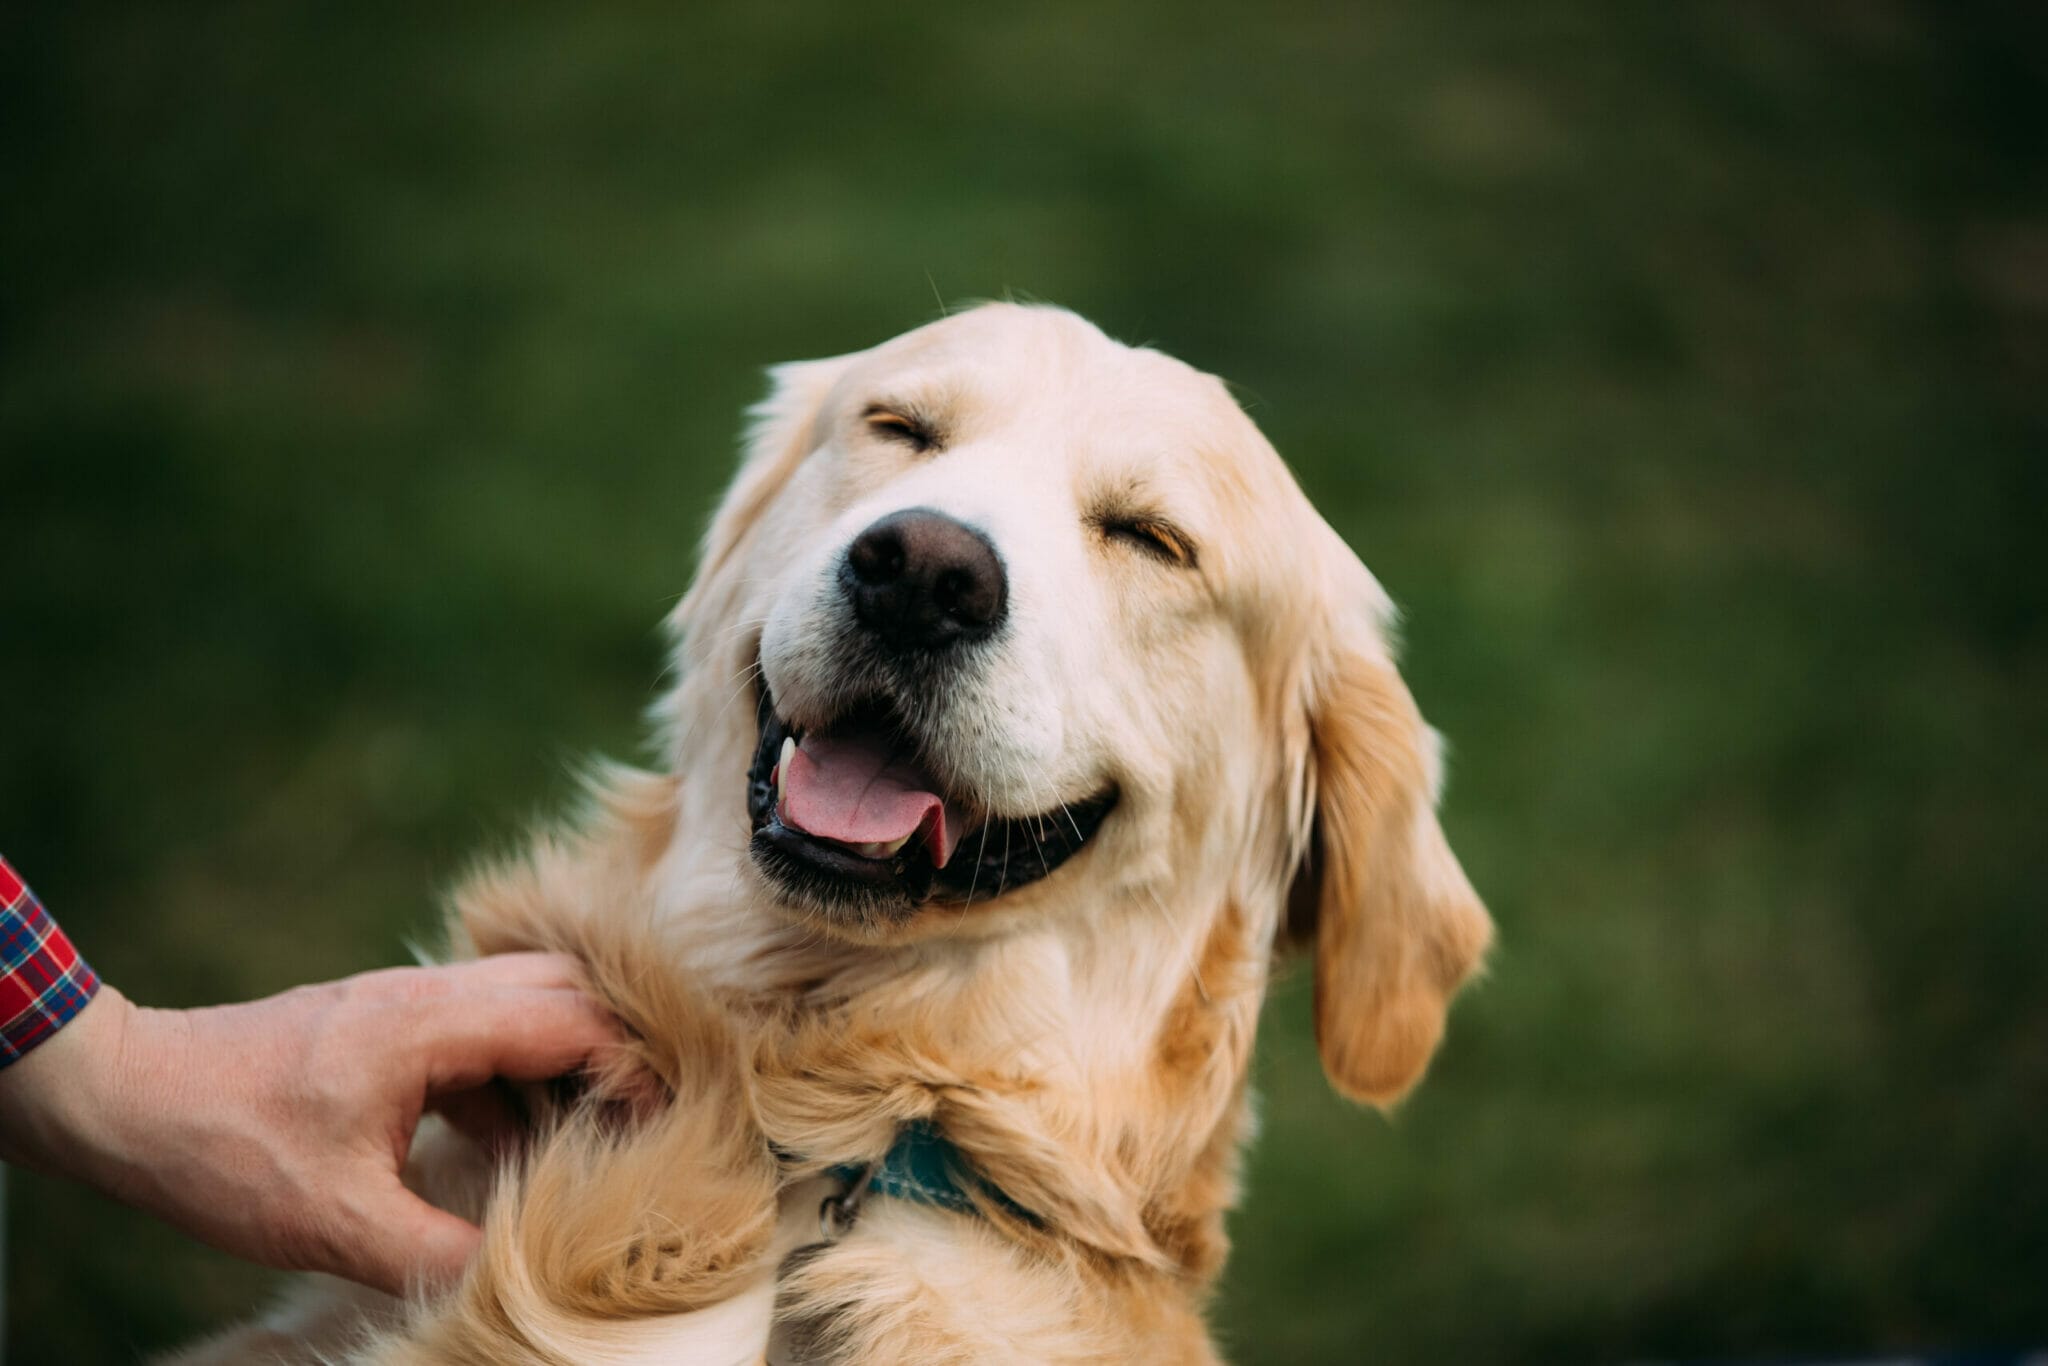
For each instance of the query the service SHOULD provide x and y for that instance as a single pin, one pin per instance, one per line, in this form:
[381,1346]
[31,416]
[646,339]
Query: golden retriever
[1024,701]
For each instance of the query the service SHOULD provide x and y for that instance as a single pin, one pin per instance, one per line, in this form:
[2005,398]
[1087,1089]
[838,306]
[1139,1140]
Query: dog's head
[1044,627]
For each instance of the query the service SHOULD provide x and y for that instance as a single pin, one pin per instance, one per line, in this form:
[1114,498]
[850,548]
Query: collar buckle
[837,1214]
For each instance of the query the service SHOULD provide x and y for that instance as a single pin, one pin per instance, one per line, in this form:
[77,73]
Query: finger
[546,970]
[526,1034]
[407,1245]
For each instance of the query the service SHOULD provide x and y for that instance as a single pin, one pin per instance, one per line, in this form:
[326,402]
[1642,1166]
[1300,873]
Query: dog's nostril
[951,590]
[920,579]
[876,555]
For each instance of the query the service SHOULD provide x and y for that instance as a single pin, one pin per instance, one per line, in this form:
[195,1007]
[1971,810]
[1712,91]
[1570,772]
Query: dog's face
[997,600]
[1043,627]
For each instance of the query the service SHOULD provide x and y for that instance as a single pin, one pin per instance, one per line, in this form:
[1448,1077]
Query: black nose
[920,580]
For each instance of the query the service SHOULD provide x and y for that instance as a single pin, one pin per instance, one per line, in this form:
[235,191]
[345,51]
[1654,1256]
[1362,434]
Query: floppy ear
[781,433]
[1397,927]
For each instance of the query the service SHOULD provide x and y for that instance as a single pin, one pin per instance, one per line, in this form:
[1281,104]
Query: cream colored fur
[1084,1039]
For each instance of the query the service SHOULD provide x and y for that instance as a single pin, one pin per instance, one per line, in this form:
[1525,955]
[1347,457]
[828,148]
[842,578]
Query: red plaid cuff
[43,981]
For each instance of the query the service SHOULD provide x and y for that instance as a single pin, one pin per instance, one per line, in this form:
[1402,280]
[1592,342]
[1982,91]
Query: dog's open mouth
[848,813]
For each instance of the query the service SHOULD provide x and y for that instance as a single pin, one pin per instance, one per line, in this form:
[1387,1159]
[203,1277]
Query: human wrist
[59,1104]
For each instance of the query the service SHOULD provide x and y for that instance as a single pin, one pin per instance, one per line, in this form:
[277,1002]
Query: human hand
[275,1130]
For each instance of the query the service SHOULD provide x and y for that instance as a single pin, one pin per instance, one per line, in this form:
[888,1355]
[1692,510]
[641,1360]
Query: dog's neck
[1088,1054]
[1092,1067]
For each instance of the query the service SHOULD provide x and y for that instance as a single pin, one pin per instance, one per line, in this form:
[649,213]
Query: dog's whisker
[740,628]
[975,881]
[746,676]
[1053,790]
[1004,880]
[1180,943]
[1079,838]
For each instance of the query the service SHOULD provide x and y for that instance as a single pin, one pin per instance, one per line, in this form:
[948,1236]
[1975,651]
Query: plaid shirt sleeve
[43,981]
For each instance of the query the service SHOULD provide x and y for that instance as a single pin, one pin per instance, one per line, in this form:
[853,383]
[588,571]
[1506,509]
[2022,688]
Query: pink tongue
[849,789]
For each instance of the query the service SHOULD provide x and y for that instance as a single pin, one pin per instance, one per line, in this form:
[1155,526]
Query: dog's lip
[1007,853]
[825,856]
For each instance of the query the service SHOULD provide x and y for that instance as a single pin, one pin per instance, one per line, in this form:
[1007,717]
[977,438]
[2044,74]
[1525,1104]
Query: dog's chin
[876,891]
[831,890]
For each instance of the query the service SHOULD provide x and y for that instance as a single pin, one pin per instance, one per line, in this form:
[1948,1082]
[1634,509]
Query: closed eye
[907,428]
[1151,535]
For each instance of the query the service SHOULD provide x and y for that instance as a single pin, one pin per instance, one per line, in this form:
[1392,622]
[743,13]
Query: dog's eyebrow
[1132,496]
[896,407]
[934,408]
[914,420]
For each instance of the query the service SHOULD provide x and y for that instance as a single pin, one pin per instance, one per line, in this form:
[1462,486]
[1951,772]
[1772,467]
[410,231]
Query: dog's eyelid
[1151,533]
[903,422]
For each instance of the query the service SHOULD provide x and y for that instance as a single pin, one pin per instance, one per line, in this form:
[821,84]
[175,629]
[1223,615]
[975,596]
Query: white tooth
[879,848]
[782,767]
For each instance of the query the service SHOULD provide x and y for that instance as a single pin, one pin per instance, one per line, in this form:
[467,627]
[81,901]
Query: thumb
[409,1246]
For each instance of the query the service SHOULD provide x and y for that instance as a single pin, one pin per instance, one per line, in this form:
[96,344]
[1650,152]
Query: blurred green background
[366,374]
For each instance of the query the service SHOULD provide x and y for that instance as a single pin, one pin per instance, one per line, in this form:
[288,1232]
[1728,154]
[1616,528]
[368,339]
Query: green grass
[365,377]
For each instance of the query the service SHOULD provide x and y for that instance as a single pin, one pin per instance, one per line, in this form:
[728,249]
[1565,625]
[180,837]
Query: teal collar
[924,1167]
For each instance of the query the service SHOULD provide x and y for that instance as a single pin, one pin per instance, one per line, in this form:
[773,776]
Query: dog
[1024,706]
